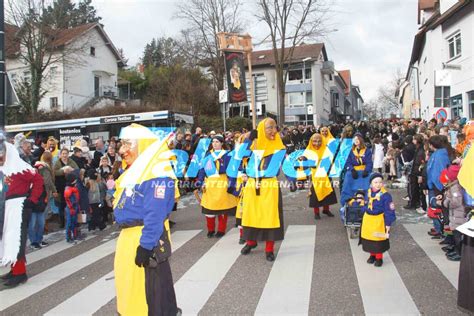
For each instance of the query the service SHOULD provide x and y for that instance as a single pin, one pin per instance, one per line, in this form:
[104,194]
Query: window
[27,75]
[307,74]
[335,100]
[470,102]
[454,46]
[456,106]
[92,51]
[295,99]
[53,103]
[309,97]
[294,75]
[442,97]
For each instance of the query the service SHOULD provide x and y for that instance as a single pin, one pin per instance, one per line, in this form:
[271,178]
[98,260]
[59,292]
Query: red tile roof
[346,76]
[266,57]
[59,38]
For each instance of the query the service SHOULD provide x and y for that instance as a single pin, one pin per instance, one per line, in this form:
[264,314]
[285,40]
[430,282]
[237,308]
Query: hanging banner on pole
[235,71]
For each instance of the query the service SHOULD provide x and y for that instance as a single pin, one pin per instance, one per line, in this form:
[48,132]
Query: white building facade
[85,75]
[441,72]
[307,89]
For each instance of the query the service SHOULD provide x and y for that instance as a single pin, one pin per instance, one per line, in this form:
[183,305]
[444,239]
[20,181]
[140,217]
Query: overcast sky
[373,37]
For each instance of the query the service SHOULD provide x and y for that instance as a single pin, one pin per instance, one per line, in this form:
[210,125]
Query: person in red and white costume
[20,189]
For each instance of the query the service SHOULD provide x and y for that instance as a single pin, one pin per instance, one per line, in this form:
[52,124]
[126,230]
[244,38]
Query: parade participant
[20,189]
[52,147]
[321,191]
[216,187]
[144,198]
[240,185]
[358,167]
[262,217]
[378,217]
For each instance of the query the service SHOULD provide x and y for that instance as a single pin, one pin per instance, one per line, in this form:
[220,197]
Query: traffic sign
[441,114]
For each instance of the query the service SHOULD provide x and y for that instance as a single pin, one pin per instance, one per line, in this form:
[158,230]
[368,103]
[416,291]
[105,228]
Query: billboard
[235,71]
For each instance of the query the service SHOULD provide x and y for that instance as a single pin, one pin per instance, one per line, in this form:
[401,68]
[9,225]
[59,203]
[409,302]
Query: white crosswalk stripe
[382,289]
[49,277]
[195,287]
[102,291]
[286,291]
[46,252]
[297,252]
[449,269]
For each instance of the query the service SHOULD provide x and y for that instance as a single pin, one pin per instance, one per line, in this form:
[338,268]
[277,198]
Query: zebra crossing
[286,284]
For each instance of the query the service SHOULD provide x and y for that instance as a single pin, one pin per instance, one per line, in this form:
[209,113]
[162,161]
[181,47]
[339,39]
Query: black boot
[317,216]
[219,234]
[210,234]
[241,241]
[270,256]
[371,260]
[16,280]
[378,263]
[7,276]
[246,250]
[328,213]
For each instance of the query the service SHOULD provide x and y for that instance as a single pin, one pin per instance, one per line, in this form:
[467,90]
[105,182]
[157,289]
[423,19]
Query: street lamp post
[3,89]
[418,88]
[304,91]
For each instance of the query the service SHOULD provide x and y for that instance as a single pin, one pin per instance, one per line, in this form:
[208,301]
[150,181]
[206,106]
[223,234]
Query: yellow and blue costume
[144,198]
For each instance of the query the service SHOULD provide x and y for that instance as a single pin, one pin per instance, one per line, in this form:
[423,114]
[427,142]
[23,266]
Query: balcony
[327,68]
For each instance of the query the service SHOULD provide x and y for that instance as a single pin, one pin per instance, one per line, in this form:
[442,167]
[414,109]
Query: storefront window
[470,102]
[456,106]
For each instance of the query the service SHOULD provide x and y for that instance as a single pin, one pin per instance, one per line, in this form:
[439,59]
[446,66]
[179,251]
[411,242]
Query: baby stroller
[352,212]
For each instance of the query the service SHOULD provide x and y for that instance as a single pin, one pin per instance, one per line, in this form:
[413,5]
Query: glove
[354,174]
[365,174]
[253,135]
[143,256]
[28,204]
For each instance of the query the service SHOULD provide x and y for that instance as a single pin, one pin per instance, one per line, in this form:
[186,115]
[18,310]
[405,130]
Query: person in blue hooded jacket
[358,167]
[438,161]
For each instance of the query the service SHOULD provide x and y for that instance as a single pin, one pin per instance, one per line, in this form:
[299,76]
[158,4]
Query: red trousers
[325,209]
[377,255]
[221,223]
[19,267]
[269,244]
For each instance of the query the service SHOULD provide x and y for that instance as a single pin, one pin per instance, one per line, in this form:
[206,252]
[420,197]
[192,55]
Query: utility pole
[240,43]
[3,85]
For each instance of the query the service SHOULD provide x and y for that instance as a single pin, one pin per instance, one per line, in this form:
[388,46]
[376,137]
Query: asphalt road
[413,280]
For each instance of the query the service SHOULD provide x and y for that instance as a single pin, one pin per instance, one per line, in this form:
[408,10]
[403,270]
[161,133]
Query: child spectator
[71,197]
[95,202]
[452,200]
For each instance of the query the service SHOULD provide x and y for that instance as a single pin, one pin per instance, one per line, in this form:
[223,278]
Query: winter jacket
[418,162]
[48,176]
[453,200]
[438,161]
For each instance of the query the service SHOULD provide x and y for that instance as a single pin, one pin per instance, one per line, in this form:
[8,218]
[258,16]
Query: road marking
[288,287]
[382,289]
[195,287]
[450,269]
[43,280]
[45,252]
[102,291]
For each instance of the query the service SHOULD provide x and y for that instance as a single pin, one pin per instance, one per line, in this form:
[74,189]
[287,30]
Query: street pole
[418,89]
[2,66]
[304,94]
[252,91]
[223,115]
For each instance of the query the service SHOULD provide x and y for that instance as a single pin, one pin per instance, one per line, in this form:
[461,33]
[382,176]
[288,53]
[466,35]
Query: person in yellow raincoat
[144,197]
[379,214]
[262,215]
[321,191]
[217,197]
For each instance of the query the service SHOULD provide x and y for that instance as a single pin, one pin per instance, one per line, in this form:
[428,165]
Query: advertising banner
[235,71]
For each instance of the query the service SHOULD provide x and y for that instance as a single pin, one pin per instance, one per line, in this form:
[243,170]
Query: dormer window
[92,51]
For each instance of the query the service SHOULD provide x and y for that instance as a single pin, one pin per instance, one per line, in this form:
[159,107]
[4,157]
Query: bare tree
[37,45]
[290,23]
[206,18]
